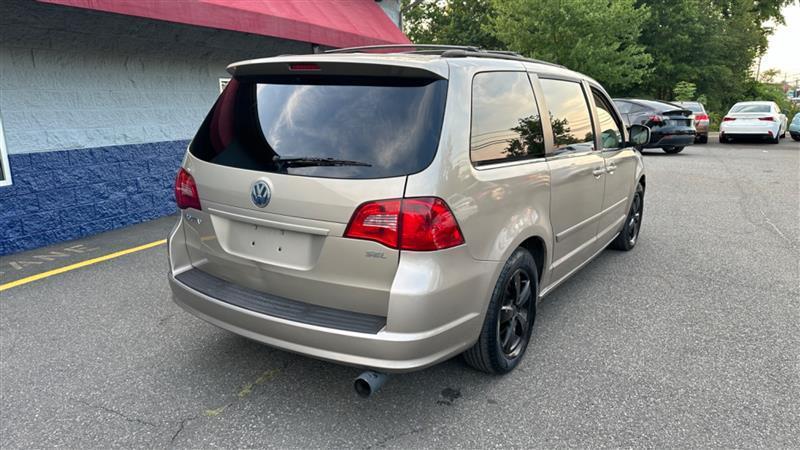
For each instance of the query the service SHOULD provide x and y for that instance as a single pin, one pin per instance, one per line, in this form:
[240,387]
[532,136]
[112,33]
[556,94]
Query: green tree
[454,22]
[684,91]
[596,37]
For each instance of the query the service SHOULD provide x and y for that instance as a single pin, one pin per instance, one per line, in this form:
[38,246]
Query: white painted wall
[72,78]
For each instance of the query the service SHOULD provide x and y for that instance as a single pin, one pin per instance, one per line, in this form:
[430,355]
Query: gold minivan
[391,210]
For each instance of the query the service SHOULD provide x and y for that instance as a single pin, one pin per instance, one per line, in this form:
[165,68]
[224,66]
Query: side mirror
[639,135]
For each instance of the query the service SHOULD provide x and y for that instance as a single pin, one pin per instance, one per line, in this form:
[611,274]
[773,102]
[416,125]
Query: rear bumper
[433,313]
[751,129]
[680,139]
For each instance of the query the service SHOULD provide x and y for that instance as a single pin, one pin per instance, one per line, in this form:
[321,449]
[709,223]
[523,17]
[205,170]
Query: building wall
[97,110]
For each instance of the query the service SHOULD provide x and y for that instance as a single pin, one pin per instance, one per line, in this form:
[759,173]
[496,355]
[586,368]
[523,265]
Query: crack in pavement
[181,426]
[115,412]
[745,196]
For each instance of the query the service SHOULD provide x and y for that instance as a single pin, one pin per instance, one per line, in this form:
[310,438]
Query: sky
[784,45]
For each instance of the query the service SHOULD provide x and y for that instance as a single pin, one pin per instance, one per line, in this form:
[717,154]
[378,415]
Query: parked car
[753,119]
[671,125]
[794,127]
[699,118]
[390,210]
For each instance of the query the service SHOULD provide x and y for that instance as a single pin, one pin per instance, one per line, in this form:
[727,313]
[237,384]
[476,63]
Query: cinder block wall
[97,110]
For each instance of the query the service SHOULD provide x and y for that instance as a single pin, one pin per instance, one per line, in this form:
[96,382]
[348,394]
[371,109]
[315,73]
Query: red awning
[333,23]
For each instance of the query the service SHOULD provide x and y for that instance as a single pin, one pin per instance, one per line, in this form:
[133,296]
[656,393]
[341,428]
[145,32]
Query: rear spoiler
[357,65]
[675,112]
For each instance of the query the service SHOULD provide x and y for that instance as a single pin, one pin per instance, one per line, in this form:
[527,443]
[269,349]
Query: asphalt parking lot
[691,340]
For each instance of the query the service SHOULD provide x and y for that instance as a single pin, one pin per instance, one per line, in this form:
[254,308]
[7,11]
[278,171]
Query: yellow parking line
[78,265]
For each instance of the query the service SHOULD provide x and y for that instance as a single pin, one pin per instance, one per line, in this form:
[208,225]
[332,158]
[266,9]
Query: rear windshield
[354,127]
[693,107]
[750,108]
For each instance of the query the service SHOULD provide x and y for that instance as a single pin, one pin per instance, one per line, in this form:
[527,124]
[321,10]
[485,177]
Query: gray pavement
[691,340]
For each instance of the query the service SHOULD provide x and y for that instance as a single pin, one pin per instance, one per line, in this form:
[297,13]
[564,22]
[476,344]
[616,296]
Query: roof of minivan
[435,63]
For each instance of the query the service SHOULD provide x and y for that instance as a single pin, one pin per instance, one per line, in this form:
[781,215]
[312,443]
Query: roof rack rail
[424,47]
[499,54]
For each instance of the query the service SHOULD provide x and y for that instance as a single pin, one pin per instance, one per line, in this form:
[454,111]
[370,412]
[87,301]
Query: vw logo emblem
[260,193]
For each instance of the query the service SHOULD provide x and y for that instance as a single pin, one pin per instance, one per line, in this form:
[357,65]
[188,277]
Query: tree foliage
[684,91]
[633,47]
[458,22]
[596,37]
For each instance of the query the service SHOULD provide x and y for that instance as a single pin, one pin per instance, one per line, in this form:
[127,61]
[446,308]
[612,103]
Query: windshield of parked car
[750,108]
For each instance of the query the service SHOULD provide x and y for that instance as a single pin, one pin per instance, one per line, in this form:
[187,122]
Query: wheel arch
[538,249]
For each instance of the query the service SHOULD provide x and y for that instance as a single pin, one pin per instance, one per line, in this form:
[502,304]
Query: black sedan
[670,125]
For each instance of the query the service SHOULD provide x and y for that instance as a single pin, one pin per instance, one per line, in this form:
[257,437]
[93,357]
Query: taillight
[767,119]
[419,224]
[700,117]
[656,119]
[186,191]
[728,119]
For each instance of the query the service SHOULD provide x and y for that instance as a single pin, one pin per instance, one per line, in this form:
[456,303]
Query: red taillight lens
[767,119]
[656,119]
[376,221]
[419,224]
[700,117]
[728,119]
[186,191]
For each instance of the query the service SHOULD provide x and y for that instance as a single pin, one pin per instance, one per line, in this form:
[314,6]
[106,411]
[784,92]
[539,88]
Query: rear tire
[673,150]
[509,318]
[629,235]
[724,139]
[703,139]
[775,140]
[796,137]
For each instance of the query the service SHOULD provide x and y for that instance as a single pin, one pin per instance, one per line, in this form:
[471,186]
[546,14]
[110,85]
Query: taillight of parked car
[768,119]
[656,119]
[186,191]
[419,224]
[728,119]
[700,117]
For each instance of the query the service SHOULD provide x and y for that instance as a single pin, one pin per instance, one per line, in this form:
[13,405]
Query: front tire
[627,238]
[673,150]
[796,137]
[509,317]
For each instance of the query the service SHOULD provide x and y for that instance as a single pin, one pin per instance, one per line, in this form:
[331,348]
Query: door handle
[598,172]
[611,168]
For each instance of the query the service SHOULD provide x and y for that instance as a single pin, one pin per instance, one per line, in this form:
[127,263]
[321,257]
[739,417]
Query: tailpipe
[369,383]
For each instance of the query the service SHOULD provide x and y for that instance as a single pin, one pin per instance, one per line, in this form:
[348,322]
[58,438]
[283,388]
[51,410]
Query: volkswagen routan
[392,209]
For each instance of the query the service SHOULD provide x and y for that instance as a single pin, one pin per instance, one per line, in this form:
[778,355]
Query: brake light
[767,119]
[656,119]
[728,119]
[186,191]
[303,67]
[418,224]
[700,117]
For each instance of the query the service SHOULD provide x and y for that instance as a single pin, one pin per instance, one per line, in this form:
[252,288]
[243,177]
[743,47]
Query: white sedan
[758,119]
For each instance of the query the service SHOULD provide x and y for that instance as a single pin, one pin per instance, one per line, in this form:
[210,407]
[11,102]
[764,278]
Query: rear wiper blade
[310,162]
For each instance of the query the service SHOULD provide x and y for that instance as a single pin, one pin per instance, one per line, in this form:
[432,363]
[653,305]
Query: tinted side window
[610,134]
[569,115]
[505,119]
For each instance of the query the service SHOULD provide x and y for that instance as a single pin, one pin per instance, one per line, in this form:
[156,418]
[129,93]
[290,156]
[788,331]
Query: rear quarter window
[505,122]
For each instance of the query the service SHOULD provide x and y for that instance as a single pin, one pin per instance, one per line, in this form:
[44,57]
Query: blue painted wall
[68,194]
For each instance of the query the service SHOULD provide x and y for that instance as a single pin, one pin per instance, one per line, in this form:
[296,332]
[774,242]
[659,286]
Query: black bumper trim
[280,307]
